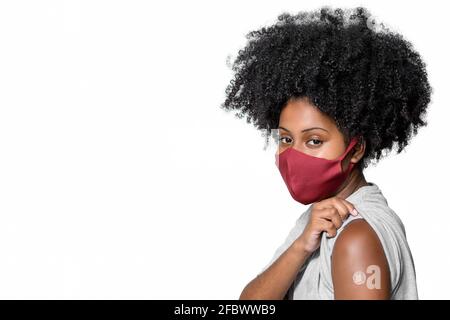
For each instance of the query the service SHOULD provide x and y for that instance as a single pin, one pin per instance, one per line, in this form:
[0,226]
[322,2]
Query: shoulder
[359,265]
[357,234]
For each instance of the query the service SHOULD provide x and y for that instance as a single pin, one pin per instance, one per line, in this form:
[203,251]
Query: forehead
[300,114]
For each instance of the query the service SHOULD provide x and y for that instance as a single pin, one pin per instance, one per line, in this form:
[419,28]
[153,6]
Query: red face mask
[311,179]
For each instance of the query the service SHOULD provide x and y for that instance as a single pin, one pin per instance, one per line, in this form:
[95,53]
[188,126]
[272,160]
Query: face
[307,129]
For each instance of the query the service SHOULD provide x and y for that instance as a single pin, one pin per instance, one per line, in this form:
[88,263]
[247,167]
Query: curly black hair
[369,79]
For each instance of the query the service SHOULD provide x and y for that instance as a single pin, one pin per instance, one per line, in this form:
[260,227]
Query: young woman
[339,90]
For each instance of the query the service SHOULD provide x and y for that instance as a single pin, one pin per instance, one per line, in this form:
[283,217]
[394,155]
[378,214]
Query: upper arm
[359,266]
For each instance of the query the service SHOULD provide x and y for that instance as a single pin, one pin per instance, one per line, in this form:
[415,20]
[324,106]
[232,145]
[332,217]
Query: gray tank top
[314,282]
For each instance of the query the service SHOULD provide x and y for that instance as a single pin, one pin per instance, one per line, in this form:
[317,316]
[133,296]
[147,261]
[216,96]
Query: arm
[275,281]
[359,266]
[326,216]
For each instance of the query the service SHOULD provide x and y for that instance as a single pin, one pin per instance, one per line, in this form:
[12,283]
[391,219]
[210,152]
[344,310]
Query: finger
[326,212]
[329,228]
[338,202]
[332,214]
[350,207]
[342,207]
[336,219]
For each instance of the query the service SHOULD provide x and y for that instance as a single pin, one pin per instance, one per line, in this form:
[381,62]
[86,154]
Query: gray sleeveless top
[314,282]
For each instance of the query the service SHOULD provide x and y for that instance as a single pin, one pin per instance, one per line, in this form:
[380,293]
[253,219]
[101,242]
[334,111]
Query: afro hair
[369,79]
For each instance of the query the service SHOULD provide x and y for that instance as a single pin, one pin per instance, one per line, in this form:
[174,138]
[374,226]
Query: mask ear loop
[352,144]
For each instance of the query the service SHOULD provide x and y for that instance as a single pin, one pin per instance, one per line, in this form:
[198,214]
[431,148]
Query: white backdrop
[121,177]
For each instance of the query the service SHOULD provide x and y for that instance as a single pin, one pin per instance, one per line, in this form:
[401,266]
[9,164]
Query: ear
[360,149]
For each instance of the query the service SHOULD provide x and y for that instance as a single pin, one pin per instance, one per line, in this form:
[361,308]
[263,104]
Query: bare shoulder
[359,266]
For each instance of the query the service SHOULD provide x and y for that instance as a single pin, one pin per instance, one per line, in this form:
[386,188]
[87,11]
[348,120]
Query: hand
[326,216]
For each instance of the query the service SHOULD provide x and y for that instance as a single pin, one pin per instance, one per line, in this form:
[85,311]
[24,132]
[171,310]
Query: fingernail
[354,212]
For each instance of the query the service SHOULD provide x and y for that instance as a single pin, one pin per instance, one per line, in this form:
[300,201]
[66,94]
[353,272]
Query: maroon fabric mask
[311,179]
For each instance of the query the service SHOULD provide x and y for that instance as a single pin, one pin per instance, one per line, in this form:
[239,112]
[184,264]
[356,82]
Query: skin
[357,248]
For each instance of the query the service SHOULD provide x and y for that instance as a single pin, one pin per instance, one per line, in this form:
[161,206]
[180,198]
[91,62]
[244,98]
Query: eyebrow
[304,129]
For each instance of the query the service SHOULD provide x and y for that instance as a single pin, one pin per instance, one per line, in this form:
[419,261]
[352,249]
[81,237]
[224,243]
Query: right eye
[285,140]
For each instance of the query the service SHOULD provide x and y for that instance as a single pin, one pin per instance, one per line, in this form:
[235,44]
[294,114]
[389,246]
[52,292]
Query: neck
[354,181]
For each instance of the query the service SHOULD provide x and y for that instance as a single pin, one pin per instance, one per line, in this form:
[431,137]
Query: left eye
[316,140]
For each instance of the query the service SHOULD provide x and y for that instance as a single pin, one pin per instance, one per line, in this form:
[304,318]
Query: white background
[121,177]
